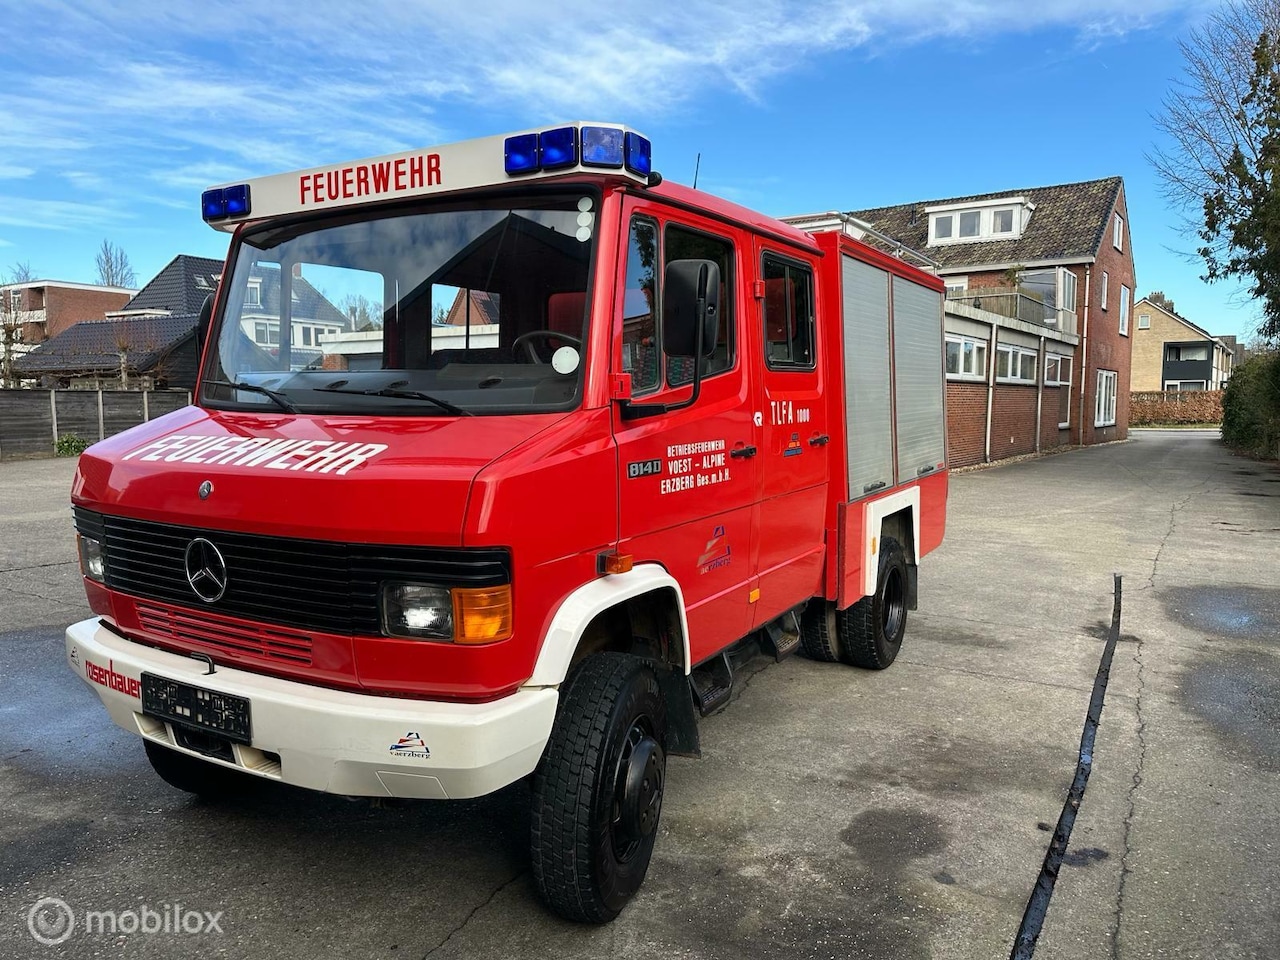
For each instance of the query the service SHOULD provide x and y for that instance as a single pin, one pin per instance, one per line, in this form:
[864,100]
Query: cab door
[689,478]
[795,446]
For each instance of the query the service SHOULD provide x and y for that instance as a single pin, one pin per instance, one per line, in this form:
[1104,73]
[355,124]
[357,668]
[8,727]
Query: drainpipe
[1084,353]
[1040,392]
[991,388]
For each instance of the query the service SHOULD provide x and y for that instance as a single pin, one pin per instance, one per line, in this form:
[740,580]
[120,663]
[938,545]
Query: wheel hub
[643,771]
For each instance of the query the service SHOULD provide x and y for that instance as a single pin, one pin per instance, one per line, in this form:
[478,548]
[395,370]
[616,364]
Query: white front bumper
[332,740]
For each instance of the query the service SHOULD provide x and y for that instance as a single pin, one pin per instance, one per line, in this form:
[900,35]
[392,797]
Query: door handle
[743,452]
[820,440]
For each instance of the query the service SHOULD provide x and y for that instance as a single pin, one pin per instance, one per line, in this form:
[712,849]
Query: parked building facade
[1172,353]
[1039,305]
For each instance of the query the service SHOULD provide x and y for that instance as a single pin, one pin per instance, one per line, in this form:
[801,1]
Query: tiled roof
[308,302]
[180,287]
[94,345]
[1069,222]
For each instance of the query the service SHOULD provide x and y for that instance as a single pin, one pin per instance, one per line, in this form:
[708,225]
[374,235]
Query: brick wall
[966,422]
[65,306]
[1108,350]
[1013,421]
[1050,436]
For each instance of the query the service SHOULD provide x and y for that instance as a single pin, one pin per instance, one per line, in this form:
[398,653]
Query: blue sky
[116,115]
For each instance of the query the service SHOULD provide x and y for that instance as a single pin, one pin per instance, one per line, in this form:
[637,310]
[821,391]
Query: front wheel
[597,793]
[873,627]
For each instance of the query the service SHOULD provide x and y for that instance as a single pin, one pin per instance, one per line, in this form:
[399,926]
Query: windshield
[461,310]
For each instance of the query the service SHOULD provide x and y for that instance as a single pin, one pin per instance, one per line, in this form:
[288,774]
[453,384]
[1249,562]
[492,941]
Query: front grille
[185,626]
[309,584]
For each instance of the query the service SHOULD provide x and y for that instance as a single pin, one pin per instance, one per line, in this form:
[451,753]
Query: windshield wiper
[444,405]
[276,395]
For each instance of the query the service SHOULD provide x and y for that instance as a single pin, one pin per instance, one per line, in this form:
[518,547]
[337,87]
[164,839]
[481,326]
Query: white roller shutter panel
[917,353]
[868,414]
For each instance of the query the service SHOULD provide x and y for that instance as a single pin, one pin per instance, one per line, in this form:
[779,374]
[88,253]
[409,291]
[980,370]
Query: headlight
[92,562]
[417,610]
[461,615]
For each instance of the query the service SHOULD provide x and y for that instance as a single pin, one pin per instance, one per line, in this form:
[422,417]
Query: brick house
[44,308]
[1172,353]
[1039,296]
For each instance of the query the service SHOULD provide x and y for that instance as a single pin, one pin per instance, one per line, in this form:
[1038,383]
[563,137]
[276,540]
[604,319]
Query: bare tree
[1216,121]
[362,313]
[113,266]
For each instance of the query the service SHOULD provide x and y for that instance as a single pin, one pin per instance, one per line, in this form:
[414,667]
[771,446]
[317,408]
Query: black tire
[873,627]
[597,794]
[820,631]
[201,777]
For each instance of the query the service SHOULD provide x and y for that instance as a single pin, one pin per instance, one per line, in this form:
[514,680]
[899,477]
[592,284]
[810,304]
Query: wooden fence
[31,421]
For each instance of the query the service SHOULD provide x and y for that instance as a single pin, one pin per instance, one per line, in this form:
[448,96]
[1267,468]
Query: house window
[1144,321]
[1117,233]
[1057,370]
[942,227]
[1105,287]
[253,295]
[1183,386]
[306,336]
[966,358]
[956,286]
[1002,221]
[1124,310]
[1015,364]
[788,315]
[1179,352]
[260,333]
[1105,406]
[970,222]
[15,301]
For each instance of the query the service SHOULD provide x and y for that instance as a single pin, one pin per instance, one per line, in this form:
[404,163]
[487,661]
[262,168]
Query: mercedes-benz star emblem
[206,570]
[206,488]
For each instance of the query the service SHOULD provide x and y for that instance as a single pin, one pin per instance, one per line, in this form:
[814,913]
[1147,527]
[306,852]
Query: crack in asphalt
[470,916]
[39,566]
[1173,523]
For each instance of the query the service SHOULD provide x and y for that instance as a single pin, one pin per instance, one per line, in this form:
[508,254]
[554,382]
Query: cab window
[684,244]
[788,315]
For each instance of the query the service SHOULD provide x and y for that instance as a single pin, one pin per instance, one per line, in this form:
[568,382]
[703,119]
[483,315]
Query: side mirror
[202,324]
[690,305]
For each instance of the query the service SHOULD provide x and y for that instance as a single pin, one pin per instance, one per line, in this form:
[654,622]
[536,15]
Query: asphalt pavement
[835,813]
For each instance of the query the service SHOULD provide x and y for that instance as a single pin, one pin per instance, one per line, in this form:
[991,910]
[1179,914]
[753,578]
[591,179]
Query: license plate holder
[187,705]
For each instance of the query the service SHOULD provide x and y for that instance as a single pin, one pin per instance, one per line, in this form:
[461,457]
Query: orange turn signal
[482,614]
[618,562]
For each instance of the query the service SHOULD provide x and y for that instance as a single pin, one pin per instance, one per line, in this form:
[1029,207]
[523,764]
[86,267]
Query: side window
[640,354]
[685,244]
[788,315]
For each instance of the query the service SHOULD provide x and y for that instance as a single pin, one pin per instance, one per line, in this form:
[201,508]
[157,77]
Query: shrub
[1251,407]
[70,445]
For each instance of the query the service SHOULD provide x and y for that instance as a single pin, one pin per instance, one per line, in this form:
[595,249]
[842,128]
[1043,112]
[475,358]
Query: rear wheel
[597,794]
[873,627]
[820,631]
[207,780]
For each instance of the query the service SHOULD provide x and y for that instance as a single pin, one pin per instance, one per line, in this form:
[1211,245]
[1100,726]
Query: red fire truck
[503,454]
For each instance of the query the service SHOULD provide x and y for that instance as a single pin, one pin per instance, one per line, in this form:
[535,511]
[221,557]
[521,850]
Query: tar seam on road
[1024,945]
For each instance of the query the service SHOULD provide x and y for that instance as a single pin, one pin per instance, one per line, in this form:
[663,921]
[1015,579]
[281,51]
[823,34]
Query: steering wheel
[526,340]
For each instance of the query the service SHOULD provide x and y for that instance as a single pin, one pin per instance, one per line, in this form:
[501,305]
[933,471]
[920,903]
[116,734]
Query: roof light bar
[639,154]
[521,154]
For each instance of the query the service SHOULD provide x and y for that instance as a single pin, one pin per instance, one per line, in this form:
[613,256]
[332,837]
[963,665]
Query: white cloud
[121,105]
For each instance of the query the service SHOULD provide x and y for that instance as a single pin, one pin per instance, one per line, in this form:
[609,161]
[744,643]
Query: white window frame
[984,211]
[969,358]
[1144,321]
[1016,352]
[15,301]
[1013,221]
[1106,288]
[956,285]
[1117,233]
[1176,385]
[950,235]
[1124,310]
[975,218]
[253,295]
[1104,407]
[1057,359]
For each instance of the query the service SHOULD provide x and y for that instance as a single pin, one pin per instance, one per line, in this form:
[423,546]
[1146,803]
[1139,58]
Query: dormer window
[253,295]
[1003,218]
